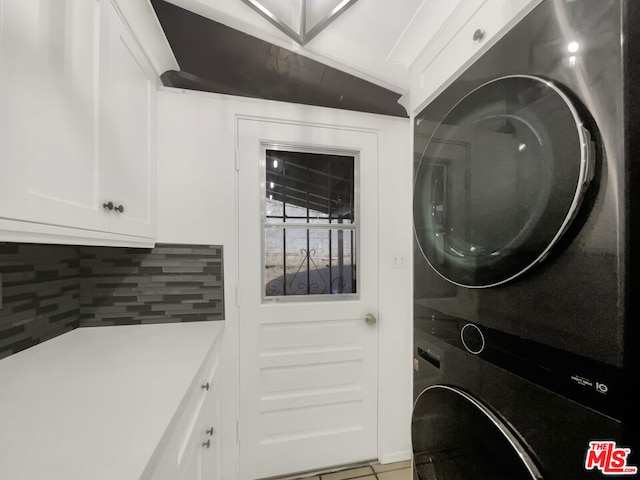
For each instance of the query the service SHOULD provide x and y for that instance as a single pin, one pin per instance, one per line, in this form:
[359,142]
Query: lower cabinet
[122,403]
[190,450]
[202,461]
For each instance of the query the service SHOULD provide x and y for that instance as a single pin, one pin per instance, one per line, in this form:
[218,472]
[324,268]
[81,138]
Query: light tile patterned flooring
[368,471]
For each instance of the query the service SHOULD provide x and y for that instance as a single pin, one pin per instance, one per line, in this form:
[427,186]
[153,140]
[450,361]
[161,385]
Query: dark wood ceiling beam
[219,59]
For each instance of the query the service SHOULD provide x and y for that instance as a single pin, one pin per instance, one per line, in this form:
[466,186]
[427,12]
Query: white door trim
[349,314]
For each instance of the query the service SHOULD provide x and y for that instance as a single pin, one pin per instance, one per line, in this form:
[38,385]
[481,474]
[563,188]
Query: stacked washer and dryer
[526,216]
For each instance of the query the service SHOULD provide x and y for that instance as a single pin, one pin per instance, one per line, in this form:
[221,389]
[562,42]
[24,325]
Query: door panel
[308,368]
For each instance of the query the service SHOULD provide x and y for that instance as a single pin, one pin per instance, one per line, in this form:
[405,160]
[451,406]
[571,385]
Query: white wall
[197,202]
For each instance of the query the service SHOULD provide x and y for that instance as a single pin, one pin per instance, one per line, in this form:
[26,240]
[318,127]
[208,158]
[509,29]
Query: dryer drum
[500,180]
[455,436]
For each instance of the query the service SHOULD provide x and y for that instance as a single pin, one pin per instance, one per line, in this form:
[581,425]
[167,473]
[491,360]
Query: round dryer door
[455,437]
[500,180]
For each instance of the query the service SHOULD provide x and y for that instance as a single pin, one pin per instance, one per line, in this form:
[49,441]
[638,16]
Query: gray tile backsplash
[51,289]
[171,283]
[41,294]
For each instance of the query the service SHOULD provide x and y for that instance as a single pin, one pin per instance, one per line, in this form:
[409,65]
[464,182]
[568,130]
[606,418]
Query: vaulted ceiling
[359,62]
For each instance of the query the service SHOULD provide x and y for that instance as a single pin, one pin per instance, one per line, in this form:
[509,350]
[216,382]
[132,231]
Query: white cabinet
[127,130]
[469,32]
[204,446]
[77,124]
[121,403]
[191,447]
[49,163]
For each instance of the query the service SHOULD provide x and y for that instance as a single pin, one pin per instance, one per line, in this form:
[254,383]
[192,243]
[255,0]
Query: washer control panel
[594,384]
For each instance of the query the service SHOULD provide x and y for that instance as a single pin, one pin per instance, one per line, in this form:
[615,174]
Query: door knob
[370,318]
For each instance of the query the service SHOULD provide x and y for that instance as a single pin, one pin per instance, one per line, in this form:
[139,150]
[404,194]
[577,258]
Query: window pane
[309,187]
[308,261]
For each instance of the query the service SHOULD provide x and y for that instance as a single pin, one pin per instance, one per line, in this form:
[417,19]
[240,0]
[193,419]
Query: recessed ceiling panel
[301,20]
[288,12]
[318,11]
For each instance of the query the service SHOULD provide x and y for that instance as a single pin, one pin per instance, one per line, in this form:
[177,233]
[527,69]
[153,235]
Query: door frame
[351,142]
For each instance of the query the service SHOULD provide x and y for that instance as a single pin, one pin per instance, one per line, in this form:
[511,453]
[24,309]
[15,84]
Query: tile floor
[367,471]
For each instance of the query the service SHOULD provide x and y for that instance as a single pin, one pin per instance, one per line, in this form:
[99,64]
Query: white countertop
[94,403]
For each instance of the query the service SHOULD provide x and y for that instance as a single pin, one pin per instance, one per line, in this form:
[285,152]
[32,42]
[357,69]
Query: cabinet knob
[210,431]
[206,444]
[478,35]
[119,208]
[205,386]
[108,206]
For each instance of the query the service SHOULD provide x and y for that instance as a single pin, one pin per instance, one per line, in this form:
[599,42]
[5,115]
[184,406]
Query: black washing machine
[525,218]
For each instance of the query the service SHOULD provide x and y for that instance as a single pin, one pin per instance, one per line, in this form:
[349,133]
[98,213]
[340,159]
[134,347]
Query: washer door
[455,437]
[500,181]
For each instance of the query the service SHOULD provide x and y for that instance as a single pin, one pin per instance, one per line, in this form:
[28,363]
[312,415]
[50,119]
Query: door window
[310,224]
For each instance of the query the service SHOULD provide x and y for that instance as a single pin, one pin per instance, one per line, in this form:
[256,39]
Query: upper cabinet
[127,130]
[77,126]
[49,163]
[467,33]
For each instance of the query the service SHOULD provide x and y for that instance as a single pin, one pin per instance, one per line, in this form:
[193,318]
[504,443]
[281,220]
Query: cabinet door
[48,113]
[127,129]
[193,470]
[203,458]
[204,444]
[210,452]
[458,45]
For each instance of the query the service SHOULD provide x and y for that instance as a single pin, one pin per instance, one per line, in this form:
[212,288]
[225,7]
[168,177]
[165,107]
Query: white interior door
[308,366]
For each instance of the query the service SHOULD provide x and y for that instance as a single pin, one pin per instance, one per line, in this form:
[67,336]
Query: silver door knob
[370,318]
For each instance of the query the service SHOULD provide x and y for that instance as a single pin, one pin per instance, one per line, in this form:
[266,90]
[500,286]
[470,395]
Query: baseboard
[395,457]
